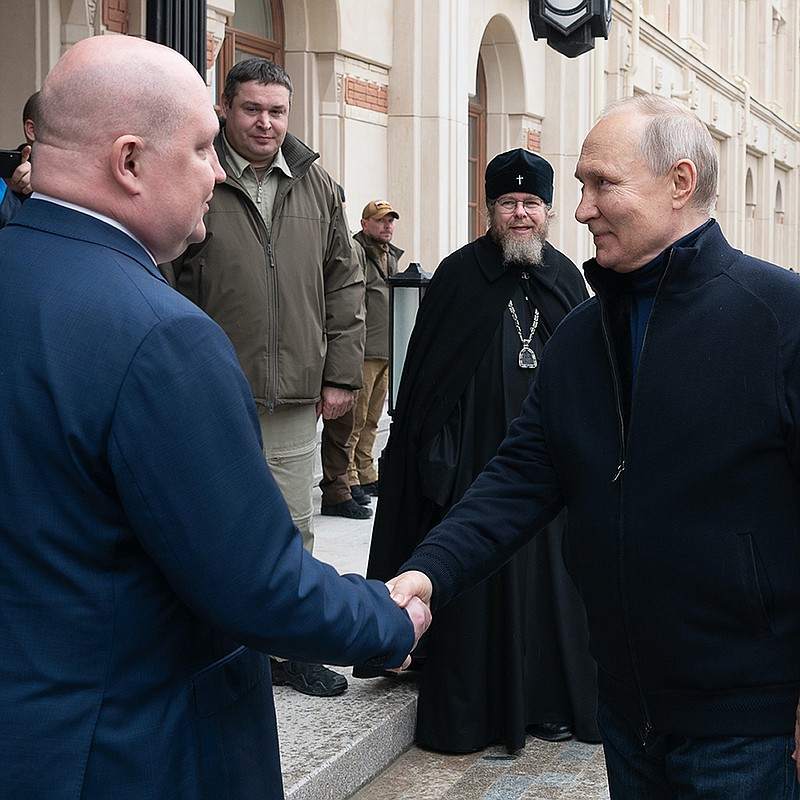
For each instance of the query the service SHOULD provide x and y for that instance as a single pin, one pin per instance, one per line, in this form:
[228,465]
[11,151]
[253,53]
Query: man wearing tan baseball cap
[377,228]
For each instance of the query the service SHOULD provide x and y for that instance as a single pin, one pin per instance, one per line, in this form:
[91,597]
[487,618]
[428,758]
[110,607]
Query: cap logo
[519,180]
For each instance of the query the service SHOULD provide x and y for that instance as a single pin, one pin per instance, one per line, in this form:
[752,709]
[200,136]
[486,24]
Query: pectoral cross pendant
[527,358]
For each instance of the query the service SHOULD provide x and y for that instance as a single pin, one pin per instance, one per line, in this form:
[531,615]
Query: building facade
[409,99]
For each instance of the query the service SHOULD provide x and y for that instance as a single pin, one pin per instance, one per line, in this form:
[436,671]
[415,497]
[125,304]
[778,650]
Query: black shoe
[313,679]
[349,509]
[364,671]
[371,488]
[551,731]
[360,496]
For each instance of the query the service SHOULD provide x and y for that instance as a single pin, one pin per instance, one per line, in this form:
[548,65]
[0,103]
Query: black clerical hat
[519,171]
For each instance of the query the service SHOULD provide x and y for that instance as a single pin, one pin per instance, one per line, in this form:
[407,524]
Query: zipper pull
[620,470]
[648,728]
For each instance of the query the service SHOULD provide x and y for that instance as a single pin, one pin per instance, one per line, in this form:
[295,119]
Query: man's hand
[334,402]
[421,617]
[409,585]
[412,591]
[796,754]
[20,180]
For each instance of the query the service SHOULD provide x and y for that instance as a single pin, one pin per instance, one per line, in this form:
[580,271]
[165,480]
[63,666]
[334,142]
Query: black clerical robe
[512,652]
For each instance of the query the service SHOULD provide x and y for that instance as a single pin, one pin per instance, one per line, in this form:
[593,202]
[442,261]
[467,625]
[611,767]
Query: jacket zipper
[272,277]
[648,728]
[271,390]
[617,397]
[618,475]
[272,283]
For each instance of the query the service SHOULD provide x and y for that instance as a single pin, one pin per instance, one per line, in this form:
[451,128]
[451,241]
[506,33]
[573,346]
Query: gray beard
[527,252]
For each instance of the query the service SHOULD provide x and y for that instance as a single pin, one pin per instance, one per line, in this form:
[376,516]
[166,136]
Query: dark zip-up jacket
[290,298]
[684,498]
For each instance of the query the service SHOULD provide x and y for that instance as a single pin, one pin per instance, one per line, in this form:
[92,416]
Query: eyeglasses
[510,206]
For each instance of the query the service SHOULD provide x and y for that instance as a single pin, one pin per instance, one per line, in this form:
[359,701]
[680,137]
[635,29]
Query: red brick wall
[364,94]
[534,143]
[115,15]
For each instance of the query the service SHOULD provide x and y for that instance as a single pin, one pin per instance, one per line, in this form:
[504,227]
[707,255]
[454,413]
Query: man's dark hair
[31,108]
[261,70]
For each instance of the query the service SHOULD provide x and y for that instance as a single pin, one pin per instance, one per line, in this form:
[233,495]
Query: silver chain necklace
[527,358]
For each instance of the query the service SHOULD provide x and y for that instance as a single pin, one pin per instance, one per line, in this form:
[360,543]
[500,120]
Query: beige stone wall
[382,92]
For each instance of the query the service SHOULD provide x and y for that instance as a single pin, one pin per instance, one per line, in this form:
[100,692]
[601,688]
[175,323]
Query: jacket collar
[73,224]
[298,156]
[688,266]
[367,244]
[236,164]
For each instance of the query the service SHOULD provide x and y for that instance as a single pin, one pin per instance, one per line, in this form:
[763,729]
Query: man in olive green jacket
[275,271]
[377,228]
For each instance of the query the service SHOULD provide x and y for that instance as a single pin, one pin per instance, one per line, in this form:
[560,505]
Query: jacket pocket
[224,682]
[755,586]
[235,732]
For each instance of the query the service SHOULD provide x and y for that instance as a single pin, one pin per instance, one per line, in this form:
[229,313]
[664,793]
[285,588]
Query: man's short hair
[674,132]
[31,108]
[261,70]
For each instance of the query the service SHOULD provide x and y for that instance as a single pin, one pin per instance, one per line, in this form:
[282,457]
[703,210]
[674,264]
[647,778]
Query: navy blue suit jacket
[144,546]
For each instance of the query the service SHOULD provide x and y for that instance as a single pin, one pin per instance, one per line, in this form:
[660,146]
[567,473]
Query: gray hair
[674,132]
[261,70]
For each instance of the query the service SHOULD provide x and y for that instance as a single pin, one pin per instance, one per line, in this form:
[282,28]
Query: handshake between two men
[412,591]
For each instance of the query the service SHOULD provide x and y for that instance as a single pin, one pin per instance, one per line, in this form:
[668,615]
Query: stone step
[330,747]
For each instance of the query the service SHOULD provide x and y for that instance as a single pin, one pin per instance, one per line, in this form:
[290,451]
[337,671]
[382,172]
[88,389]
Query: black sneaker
[349,509]
[371,488]
[360,496]
[313,679]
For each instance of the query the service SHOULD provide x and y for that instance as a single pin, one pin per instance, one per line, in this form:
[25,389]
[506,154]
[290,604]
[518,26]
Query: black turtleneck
[644,283]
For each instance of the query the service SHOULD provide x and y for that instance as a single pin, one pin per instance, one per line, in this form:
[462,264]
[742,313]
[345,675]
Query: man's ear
[684,182]
[126,162]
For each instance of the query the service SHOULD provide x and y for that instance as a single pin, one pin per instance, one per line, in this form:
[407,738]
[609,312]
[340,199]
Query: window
[476,157]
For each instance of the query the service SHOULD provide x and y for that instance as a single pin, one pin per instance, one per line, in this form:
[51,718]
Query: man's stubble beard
[525,251]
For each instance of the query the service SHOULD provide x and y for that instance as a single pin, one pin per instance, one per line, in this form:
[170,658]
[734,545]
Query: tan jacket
[291,299]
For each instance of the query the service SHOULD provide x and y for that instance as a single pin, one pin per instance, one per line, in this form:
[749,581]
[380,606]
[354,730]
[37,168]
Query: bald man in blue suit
[147,558]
